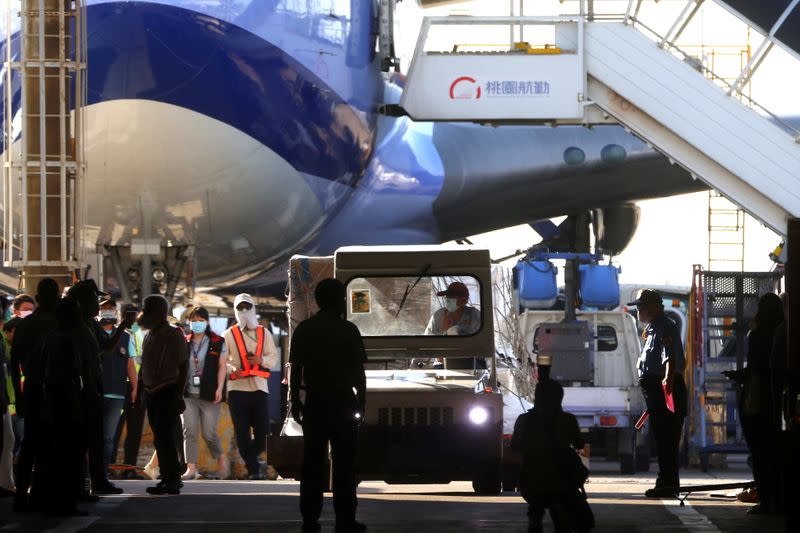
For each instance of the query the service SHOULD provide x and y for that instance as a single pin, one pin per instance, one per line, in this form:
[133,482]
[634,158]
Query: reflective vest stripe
[246,370]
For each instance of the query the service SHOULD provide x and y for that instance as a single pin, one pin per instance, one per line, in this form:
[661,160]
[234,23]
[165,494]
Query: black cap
[89,285]
[647,297]
[107,300]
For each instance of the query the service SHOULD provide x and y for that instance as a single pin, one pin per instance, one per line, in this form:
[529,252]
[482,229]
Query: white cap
[243,297]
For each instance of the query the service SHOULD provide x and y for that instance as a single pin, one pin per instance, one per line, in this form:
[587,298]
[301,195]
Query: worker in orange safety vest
[251,353]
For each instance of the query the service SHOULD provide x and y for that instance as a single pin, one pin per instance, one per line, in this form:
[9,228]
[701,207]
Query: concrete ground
[240,506]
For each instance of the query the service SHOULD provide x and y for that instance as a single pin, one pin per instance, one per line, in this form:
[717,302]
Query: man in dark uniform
[86,294]
[327,362]
[661,366]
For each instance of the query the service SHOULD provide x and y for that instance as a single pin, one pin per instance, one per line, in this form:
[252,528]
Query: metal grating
[416,416]
[725,291]
[447,419]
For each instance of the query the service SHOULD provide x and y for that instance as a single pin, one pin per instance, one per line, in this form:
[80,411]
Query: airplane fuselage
[249,131]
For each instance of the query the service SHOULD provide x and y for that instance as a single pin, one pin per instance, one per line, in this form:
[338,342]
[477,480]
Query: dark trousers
[163,413]
[250,410]
[559,512]
[31,443]
[666,426]
[61,460]
[133,417]
[96,440]
[112,411]
[327,420]
[762,440]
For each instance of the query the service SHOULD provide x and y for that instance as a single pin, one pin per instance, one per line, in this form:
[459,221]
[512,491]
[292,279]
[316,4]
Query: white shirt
[269,359]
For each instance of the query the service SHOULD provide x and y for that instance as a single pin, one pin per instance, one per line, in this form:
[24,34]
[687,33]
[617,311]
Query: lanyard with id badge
[198,369]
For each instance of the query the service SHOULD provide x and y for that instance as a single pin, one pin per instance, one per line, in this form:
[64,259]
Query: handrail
[750,102]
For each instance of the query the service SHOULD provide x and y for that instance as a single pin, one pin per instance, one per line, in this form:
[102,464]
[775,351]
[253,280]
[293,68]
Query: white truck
[423,423]
[601,383]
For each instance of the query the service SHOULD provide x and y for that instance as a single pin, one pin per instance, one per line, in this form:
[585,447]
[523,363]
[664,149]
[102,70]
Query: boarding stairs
[601,71]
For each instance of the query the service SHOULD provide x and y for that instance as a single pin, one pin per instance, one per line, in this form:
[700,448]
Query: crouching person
[552,473]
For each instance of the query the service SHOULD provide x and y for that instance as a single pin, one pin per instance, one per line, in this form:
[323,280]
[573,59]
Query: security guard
[327,357]
[661,366]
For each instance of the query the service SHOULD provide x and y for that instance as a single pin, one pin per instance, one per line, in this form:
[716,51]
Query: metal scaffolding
[44,161]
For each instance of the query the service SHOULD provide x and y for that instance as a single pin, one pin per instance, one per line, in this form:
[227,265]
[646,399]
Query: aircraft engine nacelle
[614,227]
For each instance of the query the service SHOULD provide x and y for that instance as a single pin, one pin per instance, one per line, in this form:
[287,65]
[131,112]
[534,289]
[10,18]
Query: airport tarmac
[243,506]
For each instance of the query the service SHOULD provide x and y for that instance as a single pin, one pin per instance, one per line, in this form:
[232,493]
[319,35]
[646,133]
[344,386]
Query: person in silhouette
[27,359]
[64,422]
[661,365]
[86,294]
[539,435]
[757,402]
[163,377]
[327,362]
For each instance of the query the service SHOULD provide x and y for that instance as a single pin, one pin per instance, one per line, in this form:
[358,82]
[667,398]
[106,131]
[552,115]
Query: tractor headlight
[478,415]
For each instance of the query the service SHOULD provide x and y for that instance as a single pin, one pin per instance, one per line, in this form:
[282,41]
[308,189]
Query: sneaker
[350,528]
[661,492]
[269,472]
[153,471]
[165,488]
[85,497]
[748,496]
[191,473]
[105,489]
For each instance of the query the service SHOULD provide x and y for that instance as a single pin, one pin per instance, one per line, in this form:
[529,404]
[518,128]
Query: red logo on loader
[465,88]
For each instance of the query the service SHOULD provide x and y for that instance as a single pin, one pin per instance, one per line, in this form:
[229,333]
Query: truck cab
[434,413]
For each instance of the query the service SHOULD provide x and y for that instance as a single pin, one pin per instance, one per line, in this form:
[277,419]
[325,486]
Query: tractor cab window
[404,306]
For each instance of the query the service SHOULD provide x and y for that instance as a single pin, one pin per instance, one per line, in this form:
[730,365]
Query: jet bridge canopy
[607,70]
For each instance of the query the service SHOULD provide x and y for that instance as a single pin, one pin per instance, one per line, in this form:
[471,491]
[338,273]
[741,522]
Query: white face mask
[23,314]
[451,304]
[247,319]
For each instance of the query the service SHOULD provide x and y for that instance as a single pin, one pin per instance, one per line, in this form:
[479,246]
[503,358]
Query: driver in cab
[456,317]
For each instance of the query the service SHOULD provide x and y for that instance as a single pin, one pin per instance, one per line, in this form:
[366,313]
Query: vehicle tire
[487,484]
[626,463]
